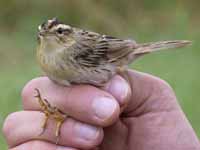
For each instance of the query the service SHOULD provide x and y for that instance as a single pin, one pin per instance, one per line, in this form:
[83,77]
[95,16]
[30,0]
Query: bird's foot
[50,112]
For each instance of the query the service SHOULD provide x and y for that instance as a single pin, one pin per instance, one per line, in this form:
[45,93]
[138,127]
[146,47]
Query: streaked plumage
[71,55]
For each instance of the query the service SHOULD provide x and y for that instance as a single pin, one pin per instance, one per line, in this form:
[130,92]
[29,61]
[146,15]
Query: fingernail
[62,147]
[119,89]
[86,132]
[104,107]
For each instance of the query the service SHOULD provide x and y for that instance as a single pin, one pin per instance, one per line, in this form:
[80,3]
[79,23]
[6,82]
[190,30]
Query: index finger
[82,102]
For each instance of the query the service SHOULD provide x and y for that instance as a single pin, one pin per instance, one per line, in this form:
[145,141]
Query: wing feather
[95,49]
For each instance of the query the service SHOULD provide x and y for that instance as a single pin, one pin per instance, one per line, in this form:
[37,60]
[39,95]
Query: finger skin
[152,120]
[24,126]
[83,102]
[149,94]
[40,145]
[120,89]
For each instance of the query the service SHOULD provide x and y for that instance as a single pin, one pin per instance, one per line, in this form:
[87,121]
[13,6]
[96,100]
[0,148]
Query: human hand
[142,114]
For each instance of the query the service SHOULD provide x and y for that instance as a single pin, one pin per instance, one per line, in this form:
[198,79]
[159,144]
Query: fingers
[37,145]
[120,89]
[83,102]
[154,118]
[24,126]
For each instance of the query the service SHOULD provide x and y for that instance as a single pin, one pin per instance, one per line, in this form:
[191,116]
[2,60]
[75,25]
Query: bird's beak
[41,31]
[40,35]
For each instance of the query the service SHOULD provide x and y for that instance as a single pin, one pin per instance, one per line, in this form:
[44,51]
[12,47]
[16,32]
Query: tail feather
[156,46]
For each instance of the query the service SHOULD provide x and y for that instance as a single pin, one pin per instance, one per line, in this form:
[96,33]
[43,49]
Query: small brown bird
[70,55]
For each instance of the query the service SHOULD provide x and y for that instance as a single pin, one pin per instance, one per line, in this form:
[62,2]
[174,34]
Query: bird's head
[54,34]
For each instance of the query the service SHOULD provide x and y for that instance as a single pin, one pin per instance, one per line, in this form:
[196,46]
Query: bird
[70,55]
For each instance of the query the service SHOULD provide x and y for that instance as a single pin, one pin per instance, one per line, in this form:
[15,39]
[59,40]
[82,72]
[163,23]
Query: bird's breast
[62,70]
[54,67]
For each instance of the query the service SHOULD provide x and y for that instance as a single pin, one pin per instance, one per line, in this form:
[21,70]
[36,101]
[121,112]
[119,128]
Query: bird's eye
[60,31]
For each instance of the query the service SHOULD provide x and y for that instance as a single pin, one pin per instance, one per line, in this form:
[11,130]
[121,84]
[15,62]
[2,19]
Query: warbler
[70,55]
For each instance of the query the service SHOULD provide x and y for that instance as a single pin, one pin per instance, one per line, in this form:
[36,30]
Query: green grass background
[142,20]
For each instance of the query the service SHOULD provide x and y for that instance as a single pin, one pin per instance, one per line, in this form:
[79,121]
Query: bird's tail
[156,46]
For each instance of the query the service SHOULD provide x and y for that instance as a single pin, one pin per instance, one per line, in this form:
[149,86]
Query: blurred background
[142,20]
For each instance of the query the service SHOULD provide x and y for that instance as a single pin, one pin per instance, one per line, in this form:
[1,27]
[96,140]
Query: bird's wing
[117,49]
[95,49]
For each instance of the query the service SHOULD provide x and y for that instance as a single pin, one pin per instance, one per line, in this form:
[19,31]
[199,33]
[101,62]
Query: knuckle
[25,92]
[10,123]
[164,85]
[162,88]
[29,88]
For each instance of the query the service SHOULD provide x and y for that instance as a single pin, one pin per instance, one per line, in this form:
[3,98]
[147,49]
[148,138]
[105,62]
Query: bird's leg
[44,123]
[59,117]
[44,106]
[52,112]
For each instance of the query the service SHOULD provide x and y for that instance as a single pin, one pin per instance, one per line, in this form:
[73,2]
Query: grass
[178,67]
